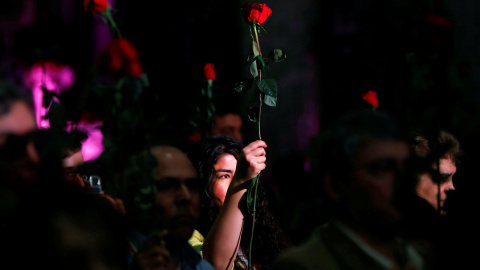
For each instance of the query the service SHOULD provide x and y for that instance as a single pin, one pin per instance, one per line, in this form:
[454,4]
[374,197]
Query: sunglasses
[15,145]
[71,173]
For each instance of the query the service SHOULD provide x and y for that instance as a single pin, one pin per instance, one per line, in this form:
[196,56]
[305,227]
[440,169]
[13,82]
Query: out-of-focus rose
[196,136]
[120,57]
[440,32]
[439,21]
[209,72]
[95,6]
[255,11]
[371,97]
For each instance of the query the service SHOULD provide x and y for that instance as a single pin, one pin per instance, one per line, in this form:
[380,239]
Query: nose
[238,136]
[79,180]
[32,152]
[448,186]
[183,194]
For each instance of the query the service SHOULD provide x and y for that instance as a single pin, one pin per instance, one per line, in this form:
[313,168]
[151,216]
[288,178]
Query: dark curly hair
[269,238]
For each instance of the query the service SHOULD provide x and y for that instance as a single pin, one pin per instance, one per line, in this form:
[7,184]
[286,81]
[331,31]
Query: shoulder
[196,241]
[193,260]
[312,254]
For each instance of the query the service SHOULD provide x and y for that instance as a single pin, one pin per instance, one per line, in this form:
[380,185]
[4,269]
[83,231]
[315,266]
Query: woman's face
[224,170]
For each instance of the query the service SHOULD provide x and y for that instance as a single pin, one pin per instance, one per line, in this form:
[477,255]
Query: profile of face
[18,148]
[229,124]
[177,191]
[370,194]
[71,165]
[224,170]
[19,120]
[429,189]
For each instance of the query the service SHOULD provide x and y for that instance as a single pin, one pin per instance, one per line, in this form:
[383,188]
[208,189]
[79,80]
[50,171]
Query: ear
[332,189]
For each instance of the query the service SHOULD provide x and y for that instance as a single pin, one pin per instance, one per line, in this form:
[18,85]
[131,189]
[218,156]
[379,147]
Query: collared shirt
[190,258]
[412,255]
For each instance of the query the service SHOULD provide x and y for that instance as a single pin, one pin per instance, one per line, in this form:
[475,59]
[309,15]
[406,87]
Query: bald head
[177,192]
[172,160]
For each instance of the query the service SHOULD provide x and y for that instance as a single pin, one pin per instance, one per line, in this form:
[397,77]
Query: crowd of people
[380,195]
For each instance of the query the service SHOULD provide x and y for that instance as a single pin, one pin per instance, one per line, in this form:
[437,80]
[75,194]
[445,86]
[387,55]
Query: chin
[181,234]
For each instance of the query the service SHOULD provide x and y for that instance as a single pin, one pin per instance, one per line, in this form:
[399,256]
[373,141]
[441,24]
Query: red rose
[209,72]
[120,57]
[255,11]
[95,6]
[439,22]
[371,97]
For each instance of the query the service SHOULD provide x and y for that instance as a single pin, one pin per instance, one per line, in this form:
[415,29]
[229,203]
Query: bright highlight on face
[224,170]
[428,189]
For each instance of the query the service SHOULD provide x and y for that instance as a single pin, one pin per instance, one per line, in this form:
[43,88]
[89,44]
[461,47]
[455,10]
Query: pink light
[56,77]
[92,147]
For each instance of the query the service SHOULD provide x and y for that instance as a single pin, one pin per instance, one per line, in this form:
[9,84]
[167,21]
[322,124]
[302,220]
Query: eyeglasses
[70,173]
[15,145]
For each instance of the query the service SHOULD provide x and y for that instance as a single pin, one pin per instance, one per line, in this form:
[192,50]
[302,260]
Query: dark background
[421,57]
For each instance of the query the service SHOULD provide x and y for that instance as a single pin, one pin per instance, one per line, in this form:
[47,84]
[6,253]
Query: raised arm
[223,239]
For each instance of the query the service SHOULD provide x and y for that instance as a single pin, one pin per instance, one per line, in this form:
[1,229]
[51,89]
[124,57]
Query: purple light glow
[55,77]
[92,147]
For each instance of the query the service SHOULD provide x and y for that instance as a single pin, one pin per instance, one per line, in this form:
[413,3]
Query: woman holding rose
[226,168]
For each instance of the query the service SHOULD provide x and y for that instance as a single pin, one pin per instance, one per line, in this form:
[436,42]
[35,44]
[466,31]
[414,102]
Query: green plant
[265,88]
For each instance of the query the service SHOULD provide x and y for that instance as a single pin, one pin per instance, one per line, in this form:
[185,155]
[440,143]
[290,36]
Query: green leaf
[261,63]
[196,120]
[144,80]
[211,108]
[253,113]
[240,86]
[126,119]
[261,28]
[410,57]
[146,190]
[265,70]
[270,101]
[120,82]
[161,119]
[268,87]
[256,49]
[118,99]
[253,69]
[277,55]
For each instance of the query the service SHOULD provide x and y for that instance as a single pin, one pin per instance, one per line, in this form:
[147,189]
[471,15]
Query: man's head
[16,112]
[228,119]
[19,157]
[230,124]
[177,191]
[360,161]
[441,158]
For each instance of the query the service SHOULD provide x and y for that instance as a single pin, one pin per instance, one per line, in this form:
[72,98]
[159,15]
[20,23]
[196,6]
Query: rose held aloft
[209,72]
[255,12]
[120,57]
[95,6]
[371,97]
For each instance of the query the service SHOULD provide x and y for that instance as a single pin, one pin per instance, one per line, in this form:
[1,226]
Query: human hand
[251,161]
[117,203]
[153,255]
